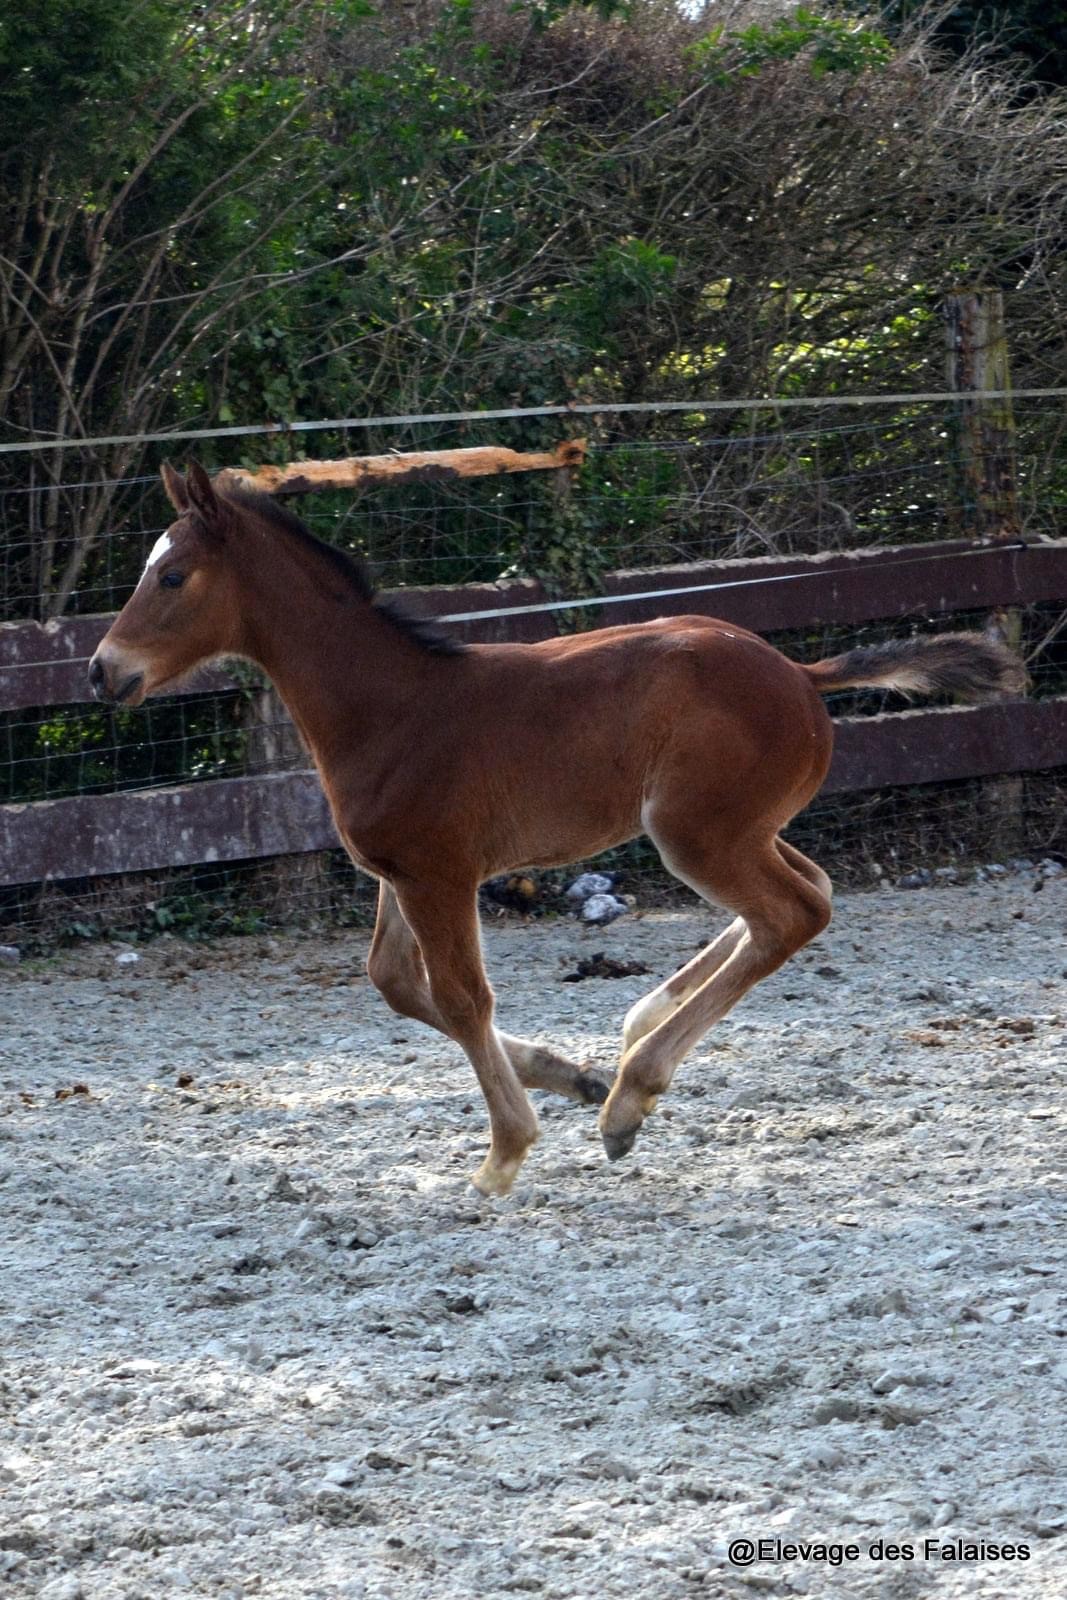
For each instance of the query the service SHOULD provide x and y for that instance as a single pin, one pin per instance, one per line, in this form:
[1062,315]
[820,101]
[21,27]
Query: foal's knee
[397,996]
[394,983]
[466,1006]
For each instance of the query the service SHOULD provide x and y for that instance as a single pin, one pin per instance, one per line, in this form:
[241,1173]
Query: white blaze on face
[159,550]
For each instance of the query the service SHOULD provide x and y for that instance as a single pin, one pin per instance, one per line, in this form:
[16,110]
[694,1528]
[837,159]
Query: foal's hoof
[496,1174]
[618,1145]
[494,1181]
[593,1086]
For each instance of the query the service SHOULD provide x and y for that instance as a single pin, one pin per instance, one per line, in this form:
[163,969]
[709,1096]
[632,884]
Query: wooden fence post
[984,503]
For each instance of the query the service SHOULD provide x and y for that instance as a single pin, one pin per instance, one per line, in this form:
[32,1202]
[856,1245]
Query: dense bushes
[236,213]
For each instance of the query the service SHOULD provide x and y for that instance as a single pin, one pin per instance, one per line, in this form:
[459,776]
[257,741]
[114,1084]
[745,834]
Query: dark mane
[353,573]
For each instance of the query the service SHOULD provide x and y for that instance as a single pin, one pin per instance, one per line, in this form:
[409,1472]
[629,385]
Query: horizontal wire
[584,602]
[615,407]
[607,447]
[87,483]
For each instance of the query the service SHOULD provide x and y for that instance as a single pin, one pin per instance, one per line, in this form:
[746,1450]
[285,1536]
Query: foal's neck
[344,670]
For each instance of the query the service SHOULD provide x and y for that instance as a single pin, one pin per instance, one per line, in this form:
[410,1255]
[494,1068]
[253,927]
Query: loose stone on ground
[258,1336]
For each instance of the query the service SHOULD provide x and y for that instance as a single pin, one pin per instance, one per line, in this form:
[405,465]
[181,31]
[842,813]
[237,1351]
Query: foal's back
[556,750]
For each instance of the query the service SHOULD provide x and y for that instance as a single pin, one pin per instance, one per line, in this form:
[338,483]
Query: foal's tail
[968,665]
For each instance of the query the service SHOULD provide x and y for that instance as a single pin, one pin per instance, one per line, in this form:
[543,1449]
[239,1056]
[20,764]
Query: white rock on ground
[587,884]
[603,908]
[259,1338]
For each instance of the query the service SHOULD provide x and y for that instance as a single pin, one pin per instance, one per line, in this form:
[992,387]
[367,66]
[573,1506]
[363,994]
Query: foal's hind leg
[782,905]
[805,866]
[396,969]
[656,1007]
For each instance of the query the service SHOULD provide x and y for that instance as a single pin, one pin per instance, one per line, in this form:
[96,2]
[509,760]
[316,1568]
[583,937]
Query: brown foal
[446,764]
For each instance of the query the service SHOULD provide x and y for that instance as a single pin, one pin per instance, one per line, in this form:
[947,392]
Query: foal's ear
[203,499]
[174,484]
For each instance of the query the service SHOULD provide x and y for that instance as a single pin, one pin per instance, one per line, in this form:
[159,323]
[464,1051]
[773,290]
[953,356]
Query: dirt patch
[259,1337]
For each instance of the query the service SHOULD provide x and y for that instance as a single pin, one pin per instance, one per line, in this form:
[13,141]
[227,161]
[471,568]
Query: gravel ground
[259,1338]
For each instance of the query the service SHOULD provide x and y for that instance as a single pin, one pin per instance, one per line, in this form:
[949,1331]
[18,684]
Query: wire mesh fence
[657,490]
[929,834]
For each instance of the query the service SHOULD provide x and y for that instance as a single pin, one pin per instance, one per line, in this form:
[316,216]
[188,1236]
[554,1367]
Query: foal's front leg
[445,924]
[396,969]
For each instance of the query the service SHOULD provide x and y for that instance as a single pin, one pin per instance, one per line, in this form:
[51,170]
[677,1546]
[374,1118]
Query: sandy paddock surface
[259,1338]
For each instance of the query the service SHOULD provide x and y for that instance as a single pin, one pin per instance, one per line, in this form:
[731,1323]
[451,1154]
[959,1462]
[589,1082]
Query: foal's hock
[445,764]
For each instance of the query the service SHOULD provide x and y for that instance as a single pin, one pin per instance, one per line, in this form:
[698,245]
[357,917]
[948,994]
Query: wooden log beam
[236,819]
[417,466]
[44,664]
[142,830]
[905,747]
[833,589]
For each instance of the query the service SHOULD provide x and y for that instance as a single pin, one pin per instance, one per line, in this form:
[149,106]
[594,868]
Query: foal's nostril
[96,677]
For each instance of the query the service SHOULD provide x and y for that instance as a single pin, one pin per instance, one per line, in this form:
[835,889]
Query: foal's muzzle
[113,691]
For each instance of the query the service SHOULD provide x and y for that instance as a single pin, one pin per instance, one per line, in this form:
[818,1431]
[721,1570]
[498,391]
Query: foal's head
[184,610]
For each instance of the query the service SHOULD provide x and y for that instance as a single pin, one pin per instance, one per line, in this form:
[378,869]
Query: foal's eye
[172,580]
